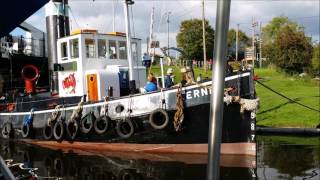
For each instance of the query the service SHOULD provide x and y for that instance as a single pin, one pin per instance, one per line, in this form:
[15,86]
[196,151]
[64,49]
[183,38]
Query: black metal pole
[216,109]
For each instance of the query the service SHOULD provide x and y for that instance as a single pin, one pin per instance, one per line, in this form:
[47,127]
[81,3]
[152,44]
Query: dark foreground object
[289,131]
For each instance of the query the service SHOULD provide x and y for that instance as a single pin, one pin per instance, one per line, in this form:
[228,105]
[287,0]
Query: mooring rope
[289,99]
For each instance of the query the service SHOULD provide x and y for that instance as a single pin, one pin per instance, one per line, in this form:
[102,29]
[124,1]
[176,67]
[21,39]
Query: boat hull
[237,133]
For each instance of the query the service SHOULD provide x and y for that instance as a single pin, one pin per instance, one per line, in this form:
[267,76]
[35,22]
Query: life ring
[72,129]
[7,131]
[58,130]
[47,131]
[26,130]
[159,118]
[86,123]
[101,124]
[125,128]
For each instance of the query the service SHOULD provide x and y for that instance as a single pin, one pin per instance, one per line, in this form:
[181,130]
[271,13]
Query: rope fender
[179,115]
[27,125]
[48,128]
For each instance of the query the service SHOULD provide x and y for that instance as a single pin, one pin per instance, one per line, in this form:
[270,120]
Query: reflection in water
[288,157]
[69,165]
[278,158]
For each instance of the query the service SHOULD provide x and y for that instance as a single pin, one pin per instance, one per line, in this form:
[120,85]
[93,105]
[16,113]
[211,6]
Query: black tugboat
[90,107]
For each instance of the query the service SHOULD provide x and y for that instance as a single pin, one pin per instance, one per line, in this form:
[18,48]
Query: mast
[151,33]
[204,39]
[128,36]
[217,104]
[237,42]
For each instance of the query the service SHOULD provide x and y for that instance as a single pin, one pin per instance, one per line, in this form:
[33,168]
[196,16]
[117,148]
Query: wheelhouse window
[90,48]
[122,50]
[74,48]
[64,51]
[102,48]
[113,49]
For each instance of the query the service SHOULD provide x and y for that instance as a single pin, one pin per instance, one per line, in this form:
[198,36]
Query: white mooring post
[216,108]
[162,72]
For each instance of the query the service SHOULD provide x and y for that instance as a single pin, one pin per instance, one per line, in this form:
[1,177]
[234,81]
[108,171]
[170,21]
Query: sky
[98,15]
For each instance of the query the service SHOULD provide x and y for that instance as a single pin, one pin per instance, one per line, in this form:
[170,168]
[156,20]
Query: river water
[278,157]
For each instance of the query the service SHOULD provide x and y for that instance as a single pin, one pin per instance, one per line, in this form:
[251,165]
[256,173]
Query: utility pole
[253,41]
[168,21]
[204,39]
[237,41]
[260,46]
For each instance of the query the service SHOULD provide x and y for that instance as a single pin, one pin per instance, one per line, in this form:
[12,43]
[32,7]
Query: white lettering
[210,91]
[196,93]
[204,92]
[189,95]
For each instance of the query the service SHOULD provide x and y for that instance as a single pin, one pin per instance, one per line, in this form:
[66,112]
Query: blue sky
[98,15]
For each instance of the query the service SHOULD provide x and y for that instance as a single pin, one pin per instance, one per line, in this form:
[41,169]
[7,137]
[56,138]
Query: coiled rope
[179,115]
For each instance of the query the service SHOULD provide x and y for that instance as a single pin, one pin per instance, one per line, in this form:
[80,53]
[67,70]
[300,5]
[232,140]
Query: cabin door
[92,87]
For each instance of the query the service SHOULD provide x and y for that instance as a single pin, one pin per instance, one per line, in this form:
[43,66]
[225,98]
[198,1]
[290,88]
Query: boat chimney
[57,24]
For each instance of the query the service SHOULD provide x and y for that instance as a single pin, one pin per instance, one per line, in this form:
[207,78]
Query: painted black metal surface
[14,12]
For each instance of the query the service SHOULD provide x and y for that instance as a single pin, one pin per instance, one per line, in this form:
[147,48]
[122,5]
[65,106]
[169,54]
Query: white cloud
[98,14]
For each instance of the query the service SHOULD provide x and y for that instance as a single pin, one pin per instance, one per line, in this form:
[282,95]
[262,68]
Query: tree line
[285,44]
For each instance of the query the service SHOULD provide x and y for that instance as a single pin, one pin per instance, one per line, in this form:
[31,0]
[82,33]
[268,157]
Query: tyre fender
[155,115]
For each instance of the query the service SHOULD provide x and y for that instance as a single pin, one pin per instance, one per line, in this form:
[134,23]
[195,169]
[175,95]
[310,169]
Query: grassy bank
[276,111]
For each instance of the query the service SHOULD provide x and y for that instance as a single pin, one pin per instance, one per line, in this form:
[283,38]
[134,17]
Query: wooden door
[92,85]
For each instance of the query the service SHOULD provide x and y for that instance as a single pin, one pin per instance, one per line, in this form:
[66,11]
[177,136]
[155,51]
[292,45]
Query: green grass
[276,111]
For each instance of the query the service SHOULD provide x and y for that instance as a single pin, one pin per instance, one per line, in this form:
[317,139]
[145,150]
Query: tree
[243,43]
[271,30]
[189,39]
[285,45]
[293,50]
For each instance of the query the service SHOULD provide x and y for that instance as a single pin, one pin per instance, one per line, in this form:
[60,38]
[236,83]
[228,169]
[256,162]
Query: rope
[104,109]
[54,115]
[289,99]
[179,115]
[77,113]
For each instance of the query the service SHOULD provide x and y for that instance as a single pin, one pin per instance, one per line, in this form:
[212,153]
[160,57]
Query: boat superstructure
[89,63]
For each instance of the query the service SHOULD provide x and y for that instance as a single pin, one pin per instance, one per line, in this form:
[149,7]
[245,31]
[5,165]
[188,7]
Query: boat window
[90,48]
[74,45]
[122,50]
[102,48]
[113,49]
[64,51]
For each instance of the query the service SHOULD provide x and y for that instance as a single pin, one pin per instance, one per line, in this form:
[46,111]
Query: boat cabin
[89,63]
